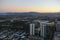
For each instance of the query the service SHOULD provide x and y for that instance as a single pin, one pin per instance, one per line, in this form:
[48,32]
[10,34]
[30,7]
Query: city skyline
[29,5]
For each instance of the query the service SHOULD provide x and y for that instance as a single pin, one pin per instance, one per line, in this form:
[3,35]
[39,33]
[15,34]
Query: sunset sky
[29,5]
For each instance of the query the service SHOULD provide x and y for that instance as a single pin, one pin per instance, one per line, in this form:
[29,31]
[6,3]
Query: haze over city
[29,19]
[29,5]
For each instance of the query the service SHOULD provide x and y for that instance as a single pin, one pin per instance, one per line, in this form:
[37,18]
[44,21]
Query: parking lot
[8,34]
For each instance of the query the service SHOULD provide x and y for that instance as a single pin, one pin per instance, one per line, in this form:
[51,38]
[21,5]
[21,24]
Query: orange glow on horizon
[28,9]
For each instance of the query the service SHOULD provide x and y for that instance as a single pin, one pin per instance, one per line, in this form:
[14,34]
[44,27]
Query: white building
[42,27]
[32,29]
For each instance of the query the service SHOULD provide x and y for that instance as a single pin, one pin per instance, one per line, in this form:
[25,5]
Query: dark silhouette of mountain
[22,13]
[29,13]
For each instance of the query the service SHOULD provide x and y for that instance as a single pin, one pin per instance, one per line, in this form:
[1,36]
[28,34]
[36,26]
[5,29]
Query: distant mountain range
[29,13]
[19,13]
